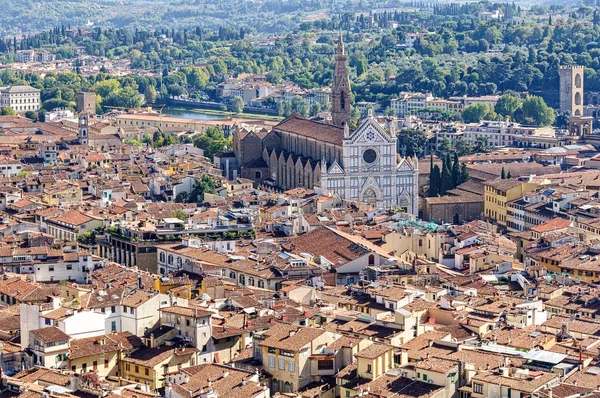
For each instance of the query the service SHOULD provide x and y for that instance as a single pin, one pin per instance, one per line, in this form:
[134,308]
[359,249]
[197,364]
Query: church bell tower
[340,90]
[84,120]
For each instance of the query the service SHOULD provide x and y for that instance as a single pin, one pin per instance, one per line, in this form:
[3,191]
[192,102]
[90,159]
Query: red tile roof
[552,225]
[299,125]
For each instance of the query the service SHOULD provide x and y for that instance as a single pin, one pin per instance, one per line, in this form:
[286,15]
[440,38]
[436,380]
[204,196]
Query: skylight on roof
[594,370]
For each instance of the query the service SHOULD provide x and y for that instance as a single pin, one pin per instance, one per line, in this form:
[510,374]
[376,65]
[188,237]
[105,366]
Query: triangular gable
[404,166]
[335,169]
[368,125]
[370,182]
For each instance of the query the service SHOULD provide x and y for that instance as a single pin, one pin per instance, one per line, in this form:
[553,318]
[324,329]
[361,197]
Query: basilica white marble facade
[371,170]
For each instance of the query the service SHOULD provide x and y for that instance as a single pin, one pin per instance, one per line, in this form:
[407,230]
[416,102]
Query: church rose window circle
[369,156]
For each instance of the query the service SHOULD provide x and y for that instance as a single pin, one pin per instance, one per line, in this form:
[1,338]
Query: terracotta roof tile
[290,337]
[186,311]
[123,341]
[51,334]
[312,129]
[73,217]
[373,351]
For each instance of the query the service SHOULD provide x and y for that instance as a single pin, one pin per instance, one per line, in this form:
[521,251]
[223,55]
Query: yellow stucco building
[498,192]
[150,365]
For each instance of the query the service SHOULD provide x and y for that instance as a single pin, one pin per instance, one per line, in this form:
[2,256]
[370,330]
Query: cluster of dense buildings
[255,91]
[320,297]
[410,103]
[306,261]
[112,286]
[30,56]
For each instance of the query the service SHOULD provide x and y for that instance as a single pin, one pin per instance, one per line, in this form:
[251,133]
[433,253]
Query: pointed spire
[340,88]
[346,130]
[340,45]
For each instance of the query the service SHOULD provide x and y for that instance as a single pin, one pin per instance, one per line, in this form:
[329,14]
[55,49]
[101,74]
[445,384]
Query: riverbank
[262,113]
[191,112]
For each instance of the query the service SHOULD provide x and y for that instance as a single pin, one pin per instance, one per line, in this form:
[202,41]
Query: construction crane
[160,115]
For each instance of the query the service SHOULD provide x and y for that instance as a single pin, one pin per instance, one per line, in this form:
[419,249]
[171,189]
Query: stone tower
[86,102]
[571,89]
[84,121]
[340,88]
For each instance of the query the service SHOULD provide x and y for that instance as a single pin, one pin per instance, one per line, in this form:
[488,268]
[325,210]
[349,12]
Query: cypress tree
[509,175]
[464,173]
[503,174]
[455,171]
[434,181]
[446,180]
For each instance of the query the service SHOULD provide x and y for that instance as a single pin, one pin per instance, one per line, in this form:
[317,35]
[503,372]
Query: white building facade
[20,98]
[498,133]
[371,171]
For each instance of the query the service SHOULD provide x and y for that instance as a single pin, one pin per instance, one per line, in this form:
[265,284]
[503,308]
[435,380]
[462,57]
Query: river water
[188,114]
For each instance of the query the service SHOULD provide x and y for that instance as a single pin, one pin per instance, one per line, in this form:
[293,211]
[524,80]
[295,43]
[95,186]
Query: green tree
[203,185]
[150,94]
[315,109]
[535,111]
[411,142]
[481,144]
[434,181]
[507,105]
[562,120]
[133,142]
[445,146]
[126,98]
[434,178]
[160,139]
[508,175]
[180,214]
[32,115]
[300,105]
[464,173]
[446,178]
[212,141]
[463,147]
[281,108]
[503,174]
[196,77]
[107,87]
[475,112]
[8,111]
[237,104]
[55,103]
[175,90]
[455,171]
[361,66]
[182,197]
